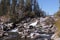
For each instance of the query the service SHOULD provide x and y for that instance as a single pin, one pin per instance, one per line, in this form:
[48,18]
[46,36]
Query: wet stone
[11,36]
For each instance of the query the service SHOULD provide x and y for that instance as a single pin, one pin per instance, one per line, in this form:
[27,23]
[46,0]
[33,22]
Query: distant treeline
[20,8]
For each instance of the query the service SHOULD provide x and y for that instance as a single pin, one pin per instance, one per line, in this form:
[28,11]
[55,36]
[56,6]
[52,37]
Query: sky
[49,6]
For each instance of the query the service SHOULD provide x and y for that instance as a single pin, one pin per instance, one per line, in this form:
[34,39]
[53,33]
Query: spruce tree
[21,4]
[13,6]
[3,7]
[8,6]
[29,5]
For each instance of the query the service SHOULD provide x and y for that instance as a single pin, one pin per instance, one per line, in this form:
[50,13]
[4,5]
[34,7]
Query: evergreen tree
[21,4]
[13,14]
[0,7]
[29,5]
[8,6]
[3,7]
[13,6]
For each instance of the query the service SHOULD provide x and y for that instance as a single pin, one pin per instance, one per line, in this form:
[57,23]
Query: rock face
[29,29]
[5,18]
[1,33]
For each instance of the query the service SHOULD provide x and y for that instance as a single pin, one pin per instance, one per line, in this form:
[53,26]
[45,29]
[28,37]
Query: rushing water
[16,36]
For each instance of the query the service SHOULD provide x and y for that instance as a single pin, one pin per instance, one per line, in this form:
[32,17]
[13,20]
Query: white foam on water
[14,30]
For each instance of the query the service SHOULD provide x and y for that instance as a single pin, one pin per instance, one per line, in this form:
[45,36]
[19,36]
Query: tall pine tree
[21,4]
[13,6]
[3,7]
[8,6]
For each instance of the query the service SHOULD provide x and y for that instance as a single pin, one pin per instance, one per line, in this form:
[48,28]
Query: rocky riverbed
[28,29]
